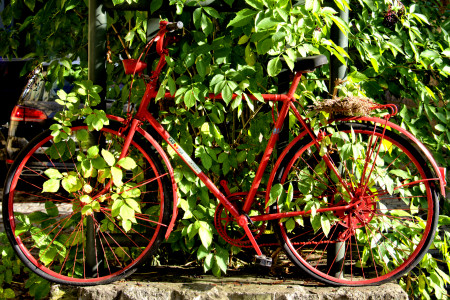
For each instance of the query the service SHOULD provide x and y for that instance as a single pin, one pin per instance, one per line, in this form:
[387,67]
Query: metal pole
[97,43]
[336,252]
[97,74]
[337,69]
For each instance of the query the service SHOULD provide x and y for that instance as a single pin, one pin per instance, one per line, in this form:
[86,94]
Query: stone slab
[175,283]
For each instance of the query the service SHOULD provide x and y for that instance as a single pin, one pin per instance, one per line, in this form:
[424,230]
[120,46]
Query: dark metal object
[336,252]
[97,74]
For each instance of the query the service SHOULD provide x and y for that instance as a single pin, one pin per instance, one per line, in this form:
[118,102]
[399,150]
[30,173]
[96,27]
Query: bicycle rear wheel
[369,221]
[69,238]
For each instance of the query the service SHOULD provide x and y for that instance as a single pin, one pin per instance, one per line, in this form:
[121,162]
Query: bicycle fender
[440,172]
[166,160]
[279,160]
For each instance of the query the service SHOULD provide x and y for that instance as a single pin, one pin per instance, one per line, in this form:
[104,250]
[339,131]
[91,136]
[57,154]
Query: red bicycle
[352,203]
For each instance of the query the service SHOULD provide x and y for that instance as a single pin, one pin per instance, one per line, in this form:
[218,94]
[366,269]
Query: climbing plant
[398,52]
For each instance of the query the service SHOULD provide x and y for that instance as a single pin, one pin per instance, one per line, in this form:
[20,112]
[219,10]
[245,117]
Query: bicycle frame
[143,115]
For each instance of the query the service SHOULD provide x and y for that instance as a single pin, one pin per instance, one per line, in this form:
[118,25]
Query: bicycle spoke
[371,211]
[55,228]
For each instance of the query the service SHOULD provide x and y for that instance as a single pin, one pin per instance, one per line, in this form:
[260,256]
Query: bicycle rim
[64,241]
[391,213]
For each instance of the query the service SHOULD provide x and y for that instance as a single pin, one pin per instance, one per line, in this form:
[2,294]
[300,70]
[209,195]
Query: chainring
[229,229]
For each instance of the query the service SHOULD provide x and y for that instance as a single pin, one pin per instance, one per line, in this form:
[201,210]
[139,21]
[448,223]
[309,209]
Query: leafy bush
[398,52]
[15,280]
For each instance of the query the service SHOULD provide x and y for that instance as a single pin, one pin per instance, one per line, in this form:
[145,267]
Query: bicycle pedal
[263,260]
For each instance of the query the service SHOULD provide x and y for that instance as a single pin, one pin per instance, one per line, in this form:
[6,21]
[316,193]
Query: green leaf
[325,223]
[98,163]
[197,17]
[53,174]
[109,157]
[208,262]
[117,176]
[242,18]
[86,199]
[227,94]
[126,212]
[115,210]
[172,86]
[95,206]
[37,216]
[221,258]
[257,4]
[192,230]
[242,155]
[130,36]
[374,64]
[289,62]
[51,209]
[421,18]
[48,256]
[71,183]
[126,225]
[430,54]
[244,39]
[202,252]
[205,233]
[290,224]
[155,5]
[274,66]
[264,46]
[82,135]
[316,222]
[440,127]
[312,5]
[267,23]
[30,4]
[212,12]
[133,204]
[275,192]
[87,210]
[9,293]
[250,57]
[343,26]
[206,24]
[201,66]
[189,98]
[131,191]
[400,173]
[216,80]
[127,163]
[92,152]
[66,63]
[283,14]
[206,159]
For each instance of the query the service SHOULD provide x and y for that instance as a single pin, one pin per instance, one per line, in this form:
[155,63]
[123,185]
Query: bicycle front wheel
[79,231]
[368,219]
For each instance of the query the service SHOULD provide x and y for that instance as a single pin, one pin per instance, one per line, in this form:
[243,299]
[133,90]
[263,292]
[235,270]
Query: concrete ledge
[175,283]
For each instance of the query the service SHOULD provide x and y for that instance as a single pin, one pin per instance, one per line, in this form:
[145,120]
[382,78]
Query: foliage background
[236,46]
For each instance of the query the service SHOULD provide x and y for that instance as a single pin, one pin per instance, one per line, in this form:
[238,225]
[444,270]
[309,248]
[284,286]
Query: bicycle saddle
[309,63]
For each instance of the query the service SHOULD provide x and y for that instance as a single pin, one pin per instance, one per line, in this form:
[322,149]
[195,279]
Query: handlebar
[174,26]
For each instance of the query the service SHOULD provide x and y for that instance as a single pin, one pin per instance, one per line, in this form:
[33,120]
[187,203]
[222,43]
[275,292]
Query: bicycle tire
[379,239]
[50,235]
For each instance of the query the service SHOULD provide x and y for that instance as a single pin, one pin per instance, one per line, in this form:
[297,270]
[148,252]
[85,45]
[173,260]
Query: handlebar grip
[174,26]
